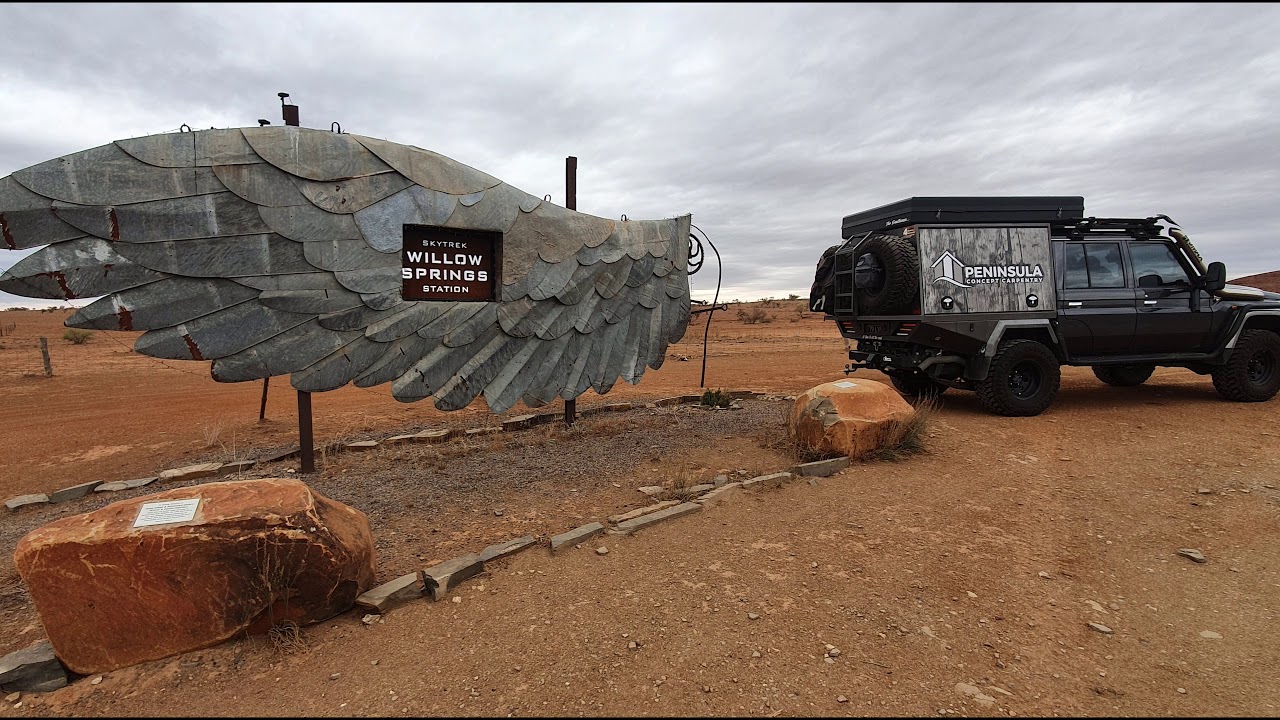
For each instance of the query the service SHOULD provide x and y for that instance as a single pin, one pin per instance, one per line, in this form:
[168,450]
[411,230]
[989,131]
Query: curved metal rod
[333,125]
[715,300]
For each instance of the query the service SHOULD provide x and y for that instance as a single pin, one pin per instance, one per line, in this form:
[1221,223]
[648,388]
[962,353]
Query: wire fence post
[44,351]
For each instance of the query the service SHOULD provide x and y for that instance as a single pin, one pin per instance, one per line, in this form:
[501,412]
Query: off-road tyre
[901,263]
[822,294]
[1253,372]
[917,386]
[1123,375]
[1022,381]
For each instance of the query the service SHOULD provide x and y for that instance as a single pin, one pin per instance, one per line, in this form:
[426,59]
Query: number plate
[874,328]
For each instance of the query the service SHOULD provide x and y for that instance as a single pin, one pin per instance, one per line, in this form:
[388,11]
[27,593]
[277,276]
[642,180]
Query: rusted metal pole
[44,351]
[306,445]
[262,411]
[571,202]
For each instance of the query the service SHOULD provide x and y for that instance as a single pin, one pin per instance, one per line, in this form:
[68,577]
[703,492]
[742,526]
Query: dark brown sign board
[450,264]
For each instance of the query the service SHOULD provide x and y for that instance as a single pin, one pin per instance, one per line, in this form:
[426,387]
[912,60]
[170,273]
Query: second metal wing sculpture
[278,250]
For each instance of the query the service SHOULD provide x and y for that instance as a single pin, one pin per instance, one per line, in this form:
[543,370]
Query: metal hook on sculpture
[337,125]
[696,254]
[546,198]
[184,128]
[624,217]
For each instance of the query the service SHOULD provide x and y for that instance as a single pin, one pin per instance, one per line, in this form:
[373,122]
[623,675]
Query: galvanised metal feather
[279,250]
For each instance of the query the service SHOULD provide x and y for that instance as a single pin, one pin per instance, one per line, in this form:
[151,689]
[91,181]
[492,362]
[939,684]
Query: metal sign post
[571,202]
[306,444]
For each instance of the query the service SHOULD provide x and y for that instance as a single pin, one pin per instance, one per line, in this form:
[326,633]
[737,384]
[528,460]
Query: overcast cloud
[767,122]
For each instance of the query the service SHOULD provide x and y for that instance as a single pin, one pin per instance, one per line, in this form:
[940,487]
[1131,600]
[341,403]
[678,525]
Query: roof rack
[1141,228]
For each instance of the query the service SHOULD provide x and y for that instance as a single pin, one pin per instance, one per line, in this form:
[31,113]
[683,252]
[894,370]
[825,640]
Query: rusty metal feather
[408,321]
[550,378]
[370,281]
[346,255]
[27,219]
[310,302]
[484,365]
[227,257]
[465,332]
[261,184]
[161,304]
[358,318]
[382,223]
[199,216]
[107,175]
[428,169]
[219,334]
[290,351]
[314,154]
[201,148]
[383,300]
[339,367]
[308,223]
[84,267]
[300,281]
[522,371]
[396,359]
[353,195]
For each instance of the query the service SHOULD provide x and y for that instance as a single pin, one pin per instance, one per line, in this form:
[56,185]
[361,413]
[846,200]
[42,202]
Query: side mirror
[1216,277]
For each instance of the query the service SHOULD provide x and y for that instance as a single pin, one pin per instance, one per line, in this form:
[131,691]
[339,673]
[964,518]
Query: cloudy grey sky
[767,122]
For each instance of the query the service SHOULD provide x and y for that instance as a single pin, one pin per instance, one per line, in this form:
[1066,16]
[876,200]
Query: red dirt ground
[925,573]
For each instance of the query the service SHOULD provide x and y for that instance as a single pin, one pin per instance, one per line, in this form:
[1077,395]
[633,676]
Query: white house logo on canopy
[956,272]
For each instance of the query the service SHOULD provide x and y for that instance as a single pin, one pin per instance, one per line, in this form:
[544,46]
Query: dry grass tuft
[287,638]
[906,438]
[784,440]
[679,485]
[609,427]
[212,433]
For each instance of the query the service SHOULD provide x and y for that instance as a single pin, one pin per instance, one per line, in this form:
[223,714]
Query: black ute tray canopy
[964,210]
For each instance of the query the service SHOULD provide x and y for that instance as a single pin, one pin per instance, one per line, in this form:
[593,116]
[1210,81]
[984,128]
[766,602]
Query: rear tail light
[848,325]
[906,328]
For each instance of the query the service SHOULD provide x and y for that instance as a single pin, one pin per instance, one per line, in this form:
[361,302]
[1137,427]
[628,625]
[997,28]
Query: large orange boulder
[848,417]
[236,558]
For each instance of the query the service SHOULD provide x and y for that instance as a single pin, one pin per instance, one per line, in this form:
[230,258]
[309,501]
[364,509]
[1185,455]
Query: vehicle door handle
[1074,304]
[1148,302]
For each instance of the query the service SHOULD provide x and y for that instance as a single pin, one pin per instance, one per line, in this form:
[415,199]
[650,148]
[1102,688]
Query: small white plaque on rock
[168,511]
[845,384]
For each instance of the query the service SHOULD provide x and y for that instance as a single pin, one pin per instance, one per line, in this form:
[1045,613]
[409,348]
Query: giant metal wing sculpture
[280,250]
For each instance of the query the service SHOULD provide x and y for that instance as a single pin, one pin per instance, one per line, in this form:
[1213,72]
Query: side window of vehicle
[1093,265]
[1076,270]
[1155,265]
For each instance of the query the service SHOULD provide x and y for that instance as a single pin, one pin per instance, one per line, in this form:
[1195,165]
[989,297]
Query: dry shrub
[754,315]
[75,336]
[716,398]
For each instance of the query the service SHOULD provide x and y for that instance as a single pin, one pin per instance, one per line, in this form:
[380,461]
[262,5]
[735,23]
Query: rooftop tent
[964,210]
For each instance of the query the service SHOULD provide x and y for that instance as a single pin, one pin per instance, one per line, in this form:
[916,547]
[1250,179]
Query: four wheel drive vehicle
[994,294]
